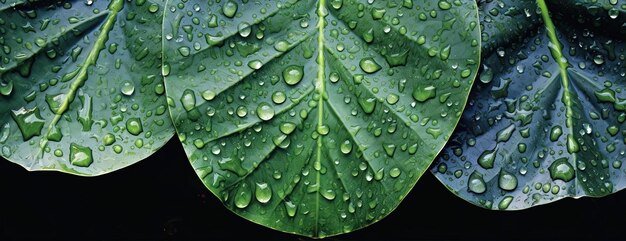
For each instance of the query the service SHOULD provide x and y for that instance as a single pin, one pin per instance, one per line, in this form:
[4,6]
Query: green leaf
[317,117]
[80,84]
[547,120]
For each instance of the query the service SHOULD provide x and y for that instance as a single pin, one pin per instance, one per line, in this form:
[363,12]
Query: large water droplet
[423,94]
[507,181]
[243,196]
[134,126]
[263,192]
[293,74]
[346,147]
[29,122]
[230,9]
[80,155]
[555,133]
[368,65]
[265,111]
[188,100]
[127,88]
[476,183]
[561,169]
[487,158]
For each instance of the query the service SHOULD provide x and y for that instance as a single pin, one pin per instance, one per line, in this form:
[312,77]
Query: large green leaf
[80,84]
[317,117]
[548,121]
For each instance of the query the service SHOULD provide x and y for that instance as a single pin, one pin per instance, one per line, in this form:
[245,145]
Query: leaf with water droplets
[80,84]
[322,114]
[547,123]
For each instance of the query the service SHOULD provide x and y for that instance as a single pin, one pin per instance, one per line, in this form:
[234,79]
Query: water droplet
[505,134]
[572,144]
[29,122]
[80,155]
[281,46]
[423,94]
[507,181]
[291,208]
[188,100]
[108,139]
[128,88]
[255,64]
[230,9]
[444,5]
[561,169]
[367,104]
[346,147]
[505,202]
[287,127]
[134,126]
[486,76]
[476,184]
[487,158]
[368,65]
[243,196]
[263,192]
[328,194]
[293,74]
[555,133]
[395,172]
[265,111]
[390,149]
[323,130]
[279,97]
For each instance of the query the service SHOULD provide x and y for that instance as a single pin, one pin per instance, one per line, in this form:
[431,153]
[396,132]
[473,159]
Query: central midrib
[114,7]
[558,57]
[320,88]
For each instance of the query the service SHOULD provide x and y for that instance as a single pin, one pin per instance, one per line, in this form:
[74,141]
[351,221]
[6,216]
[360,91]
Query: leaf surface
[547,119]
[317,117]
[80,84]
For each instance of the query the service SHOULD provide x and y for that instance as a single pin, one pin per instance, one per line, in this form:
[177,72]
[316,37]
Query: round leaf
[546,122]
[80,84]
[317,117]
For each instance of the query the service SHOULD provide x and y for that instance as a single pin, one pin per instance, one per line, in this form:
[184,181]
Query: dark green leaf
[317,125]
[548,121]
[80,84]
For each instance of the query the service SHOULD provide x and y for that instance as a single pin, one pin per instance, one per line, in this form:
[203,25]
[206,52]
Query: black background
[161,198]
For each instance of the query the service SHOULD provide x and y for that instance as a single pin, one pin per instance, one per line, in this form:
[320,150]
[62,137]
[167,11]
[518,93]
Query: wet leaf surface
[317,117]
[80,84]
[547,119]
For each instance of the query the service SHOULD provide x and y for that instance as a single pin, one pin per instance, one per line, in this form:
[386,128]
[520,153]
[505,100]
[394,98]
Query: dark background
[161,198]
